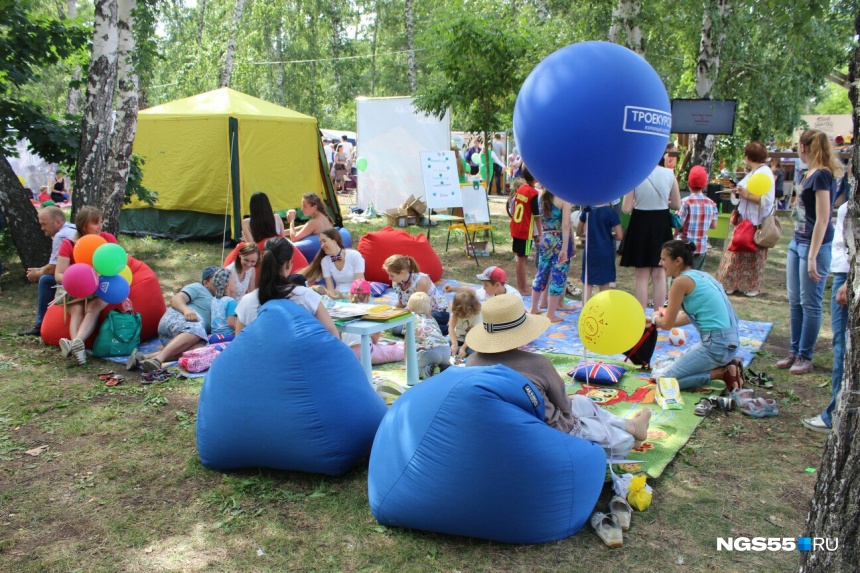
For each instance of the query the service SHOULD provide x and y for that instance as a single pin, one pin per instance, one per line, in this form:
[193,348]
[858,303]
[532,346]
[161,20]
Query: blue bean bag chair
[288,395]
[310,246]
[468,453]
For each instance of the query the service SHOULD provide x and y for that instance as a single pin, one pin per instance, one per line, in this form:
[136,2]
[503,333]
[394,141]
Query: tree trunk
[411,72]
[32,245]
[119,160]
[714,21]
[227,70]
[624,29]
[73,99]
[97,121]
[835,507]
[336,31]
[201,13]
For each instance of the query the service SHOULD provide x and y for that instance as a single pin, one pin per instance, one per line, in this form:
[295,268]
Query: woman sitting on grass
[697,298]
[339,266]
[407,278]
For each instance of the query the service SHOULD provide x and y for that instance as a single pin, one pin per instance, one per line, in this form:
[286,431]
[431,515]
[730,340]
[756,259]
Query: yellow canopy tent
[207,154]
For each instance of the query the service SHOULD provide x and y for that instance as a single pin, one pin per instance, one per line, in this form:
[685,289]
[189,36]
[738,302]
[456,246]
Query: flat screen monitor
[707,116]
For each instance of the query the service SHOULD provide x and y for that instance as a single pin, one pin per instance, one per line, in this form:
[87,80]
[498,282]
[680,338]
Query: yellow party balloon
[611,322]
[760,184]
[126,274]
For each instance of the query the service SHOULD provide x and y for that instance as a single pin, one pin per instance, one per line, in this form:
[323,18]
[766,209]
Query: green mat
[669,429]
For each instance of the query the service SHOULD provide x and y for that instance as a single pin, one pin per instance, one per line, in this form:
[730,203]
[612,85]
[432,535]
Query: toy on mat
[677,337]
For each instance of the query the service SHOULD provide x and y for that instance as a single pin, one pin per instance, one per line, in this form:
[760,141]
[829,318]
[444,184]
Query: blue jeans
[693,368]
[838,321]
[805,297]
[46,295]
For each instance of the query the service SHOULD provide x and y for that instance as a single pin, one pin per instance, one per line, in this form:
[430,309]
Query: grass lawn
[118,485]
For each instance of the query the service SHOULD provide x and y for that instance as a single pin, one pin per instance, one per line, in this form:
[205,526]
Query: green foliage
[32,42]
[833,100]
[134,188]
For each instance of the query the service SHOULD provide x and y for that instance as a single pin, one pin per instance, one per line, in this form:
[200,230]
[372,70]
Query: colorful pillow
[597,372]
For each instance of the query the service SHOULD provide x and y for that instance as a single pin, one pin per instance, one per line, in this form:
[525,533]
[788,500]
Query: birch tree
[411,70]
[714,22]
[835,509]
[119,159]
[73,101]
[97,121]
[625,29]
[227,70]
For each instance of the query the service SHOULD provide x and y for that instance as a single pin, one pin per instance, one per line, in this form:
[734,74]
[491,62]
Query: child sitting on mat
[223,307]
[432,346]
[465,314]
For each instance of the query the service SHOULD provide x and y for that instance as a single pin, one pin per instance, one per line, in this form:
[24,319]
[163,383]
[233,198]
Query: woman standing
[554,254]
[243,269]
[339,168]
[313,207]
[696,298]
[336,264]
[650,226]
[83,314]
[778,180]
[744,271]
[809,252]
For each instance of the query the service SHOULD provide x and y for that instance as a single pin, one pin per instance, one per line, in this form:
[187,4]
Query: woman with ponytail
[809,252]
[696,298]
[313,207]
[275,268]
[407,278]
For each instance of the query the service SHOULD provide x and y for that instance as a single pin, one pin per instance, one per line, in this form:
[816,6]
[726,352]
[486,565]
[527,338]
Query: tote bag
[743,239]
[119,334]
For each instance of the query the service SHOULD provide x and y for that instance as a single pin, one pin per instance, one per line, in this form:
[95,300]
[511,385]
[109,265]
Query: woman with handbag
[339,168]
[742,266]
[809,252]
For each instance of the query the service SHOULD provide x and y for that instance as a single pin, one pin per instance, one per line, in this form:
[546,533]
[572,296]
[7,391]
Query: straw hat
[506,326]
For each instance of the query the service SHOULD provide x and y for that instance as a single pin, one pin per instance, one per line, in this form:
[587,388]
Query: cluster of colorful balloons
[100,268]
[611,322]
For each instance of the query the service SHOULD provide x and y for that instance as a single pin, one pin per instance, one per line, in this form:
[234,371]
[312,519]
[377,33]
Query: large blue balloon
[113,290]
[609,108]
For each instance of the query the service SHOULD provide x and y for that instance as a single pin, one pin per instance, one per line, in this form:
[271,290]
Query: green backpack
[119,334]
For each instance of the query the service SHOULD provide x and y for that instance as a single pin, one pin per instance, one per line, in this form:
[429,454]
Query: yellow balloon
[760,184]
[611,322]
[126,274]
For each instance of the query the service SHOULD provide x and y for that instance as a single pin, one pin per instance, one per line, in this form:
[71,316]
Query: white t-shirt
[841,260]
[67,231]
[347,147]
[482,296]
[249,306]
[653,193]
[353,263]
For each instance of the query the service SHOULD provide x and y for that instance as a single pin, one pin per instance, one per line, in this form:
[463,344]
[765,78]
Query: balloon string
[584,300]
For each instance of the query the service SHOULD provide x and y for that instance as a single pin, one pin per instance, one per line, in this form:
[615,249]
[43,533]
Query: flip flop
[760,379]
[607,529]
[104,376]
[114,380]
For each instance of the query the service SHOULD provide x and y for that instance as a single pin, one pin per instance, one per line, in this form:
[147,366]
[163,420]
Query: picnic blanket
[154,345]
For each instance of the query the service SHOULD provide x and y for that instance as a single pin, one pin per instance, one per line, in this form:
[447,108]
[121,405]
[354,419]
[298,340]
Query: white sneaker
[65,347]
[79,350]
[816,424]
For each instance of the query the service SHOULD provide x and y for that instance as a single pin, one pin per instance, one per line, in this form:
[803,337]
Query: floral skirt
[742,271]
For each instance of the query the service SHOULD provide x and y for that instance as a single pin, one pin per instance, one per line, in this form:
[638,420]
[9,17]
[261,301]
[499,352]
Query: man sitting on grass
[184,326]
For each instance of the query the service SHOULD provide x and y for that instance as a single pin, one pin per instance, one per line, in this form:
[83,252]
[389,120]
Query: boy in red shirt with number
[525,224]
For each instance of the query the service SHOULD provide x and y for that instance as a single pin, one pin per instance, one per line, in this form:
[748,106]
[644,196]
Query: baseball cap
[359,286]
[698,178]
[493,274]
[208,272]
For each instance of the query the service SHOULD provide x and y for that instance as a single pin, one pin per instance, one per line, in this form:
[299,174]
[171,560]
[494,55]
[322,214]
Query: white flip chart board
[441,180]
[475,206]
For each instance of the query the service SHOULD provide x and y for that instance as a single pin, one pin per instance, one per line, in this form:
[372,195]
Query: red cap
[698,178]
[493,274]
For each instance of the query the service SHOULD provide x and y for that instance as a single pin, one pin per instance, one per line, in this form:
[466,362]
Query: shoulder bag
[119,334]
[743,239]
[769,230]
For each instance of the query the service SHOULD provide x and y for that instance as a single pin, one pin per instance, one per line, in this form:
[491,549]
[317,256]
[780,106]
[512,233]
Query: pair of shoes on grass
[610,527]
[750,405]
[158,375]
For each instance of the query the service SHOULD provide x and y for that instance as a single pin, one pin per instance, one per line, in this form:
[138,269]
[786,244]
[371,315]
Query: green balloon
[110,259]
[479,160]
[361,164]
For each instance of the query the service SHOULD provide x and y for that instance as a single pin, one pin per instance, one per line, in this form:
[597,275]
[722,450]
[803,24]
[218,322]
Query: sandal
[760,379]
[734,381]
[104,376]
[151,365]
[607,529]
[725,403]
[741,397]
[704,407]
[114,380]
[760,408]
[159,375]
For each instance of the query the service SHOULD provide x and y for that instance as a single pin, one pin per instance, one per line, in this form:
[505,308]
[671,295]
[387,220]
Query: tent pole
[234,178]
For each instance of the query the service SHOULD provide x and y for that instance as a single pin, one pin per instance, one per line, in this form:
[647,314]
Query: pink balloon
[80,280]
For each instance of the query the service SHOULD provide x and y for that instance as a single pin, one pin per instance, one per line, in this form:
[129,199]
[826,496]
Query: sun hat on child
[506,326]
[698,178]
[359,286]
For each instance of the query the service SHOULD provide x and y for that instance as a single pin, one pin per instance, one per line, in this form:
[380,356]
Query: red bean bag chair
[145,295]
[299,260]
[377,246]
